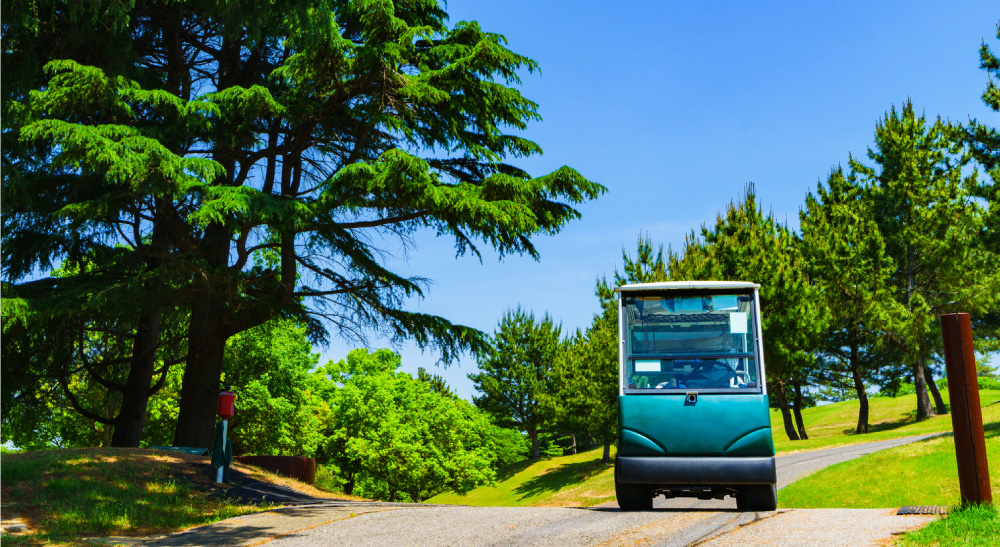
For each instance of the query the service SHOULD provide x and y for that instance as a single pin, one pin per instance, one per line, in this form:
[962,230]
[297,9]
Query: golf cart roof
[668,285]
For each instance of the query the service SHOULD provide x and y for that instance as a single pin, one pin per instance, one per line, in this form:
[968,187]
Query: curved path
[792,467]
[677,522]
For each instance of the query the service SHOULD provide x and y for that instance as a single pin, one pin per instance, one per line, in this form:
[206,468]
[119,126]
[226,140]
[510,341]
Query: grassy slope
[582,480]
[922,473]
[66,495]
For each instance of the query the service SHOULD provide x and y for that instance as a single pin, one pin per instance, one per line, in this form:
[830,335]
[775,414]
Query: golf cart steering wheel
[743,375]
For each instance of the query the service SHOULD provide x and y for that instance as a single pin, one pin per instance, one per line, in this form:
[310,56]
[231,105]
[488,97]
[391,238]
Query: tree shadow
[909,418]
[555,479]
[513,469]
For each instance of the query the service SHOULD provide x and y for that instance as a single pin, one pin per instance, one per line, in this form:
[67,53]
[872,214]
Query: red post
[966,412]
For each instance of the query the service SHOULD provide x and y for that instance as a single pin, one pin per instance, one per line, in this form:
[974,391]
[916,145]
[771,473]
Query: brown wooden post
[966,413]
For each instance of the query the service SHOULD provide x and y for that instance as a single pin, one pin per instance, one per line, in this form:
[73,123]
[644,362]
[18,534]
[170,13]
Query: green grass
[973,526]
[888,418]
[565,481]
[581,480]
[921,473]
[67,495]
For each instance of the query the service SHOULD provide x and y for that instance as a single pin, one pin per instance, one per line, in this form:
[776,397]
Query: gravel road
[675,522]
[537,526]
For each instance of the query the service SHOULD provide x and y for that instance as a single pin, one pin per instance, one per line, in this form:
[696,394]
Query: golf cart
[693,416]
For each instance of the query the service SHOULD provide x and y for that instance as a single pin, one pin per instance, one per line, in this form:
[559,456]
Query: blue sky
[675,107]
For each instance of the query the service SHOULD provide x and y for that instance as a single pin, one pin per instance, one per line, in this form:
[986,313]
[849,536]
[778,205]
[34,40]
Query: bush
[984,383]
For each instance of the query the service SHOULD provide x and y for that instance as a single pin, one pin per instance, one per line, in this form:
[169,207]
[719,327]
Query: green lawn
[582,481]
[921,473]
[889,418]
[975,526]
[66,496]
[573,481]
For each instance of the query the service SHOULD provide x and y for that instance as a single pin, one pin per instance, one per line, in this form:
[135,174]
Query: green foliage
[279,411]
[516,373]
[924,206]
[250,176]
[584,393]
[747,245]
[847,262]
[984,144]
[394,437]
[985,383]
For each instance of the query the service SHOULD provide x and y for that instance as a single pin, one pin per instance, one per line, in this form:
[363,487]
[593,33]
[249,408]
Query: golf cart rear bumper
[695,470]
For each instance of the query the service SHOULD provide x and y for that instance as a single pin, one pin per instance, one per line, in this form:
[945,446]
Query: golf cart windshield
[690,341]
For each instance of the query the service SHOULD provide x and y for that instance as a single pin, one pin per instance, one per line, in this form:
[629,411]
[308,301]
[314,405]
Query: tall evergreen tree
[253,155]
[516,372]
[931,224]
[984,143]
[847,260]
[747,245]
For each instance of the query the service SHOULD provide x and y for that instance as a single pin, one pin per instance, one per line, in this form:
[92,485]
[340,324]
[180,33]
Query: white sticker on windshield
[738,322]
[647,366]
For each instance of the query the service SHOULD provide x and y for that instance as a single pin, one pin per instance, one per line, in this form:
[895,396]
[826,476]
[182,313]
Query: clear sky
[675,107]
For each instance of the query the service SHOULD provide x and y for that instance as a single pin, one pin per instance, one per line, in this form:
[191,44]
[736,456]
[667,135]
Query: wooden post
[966,412]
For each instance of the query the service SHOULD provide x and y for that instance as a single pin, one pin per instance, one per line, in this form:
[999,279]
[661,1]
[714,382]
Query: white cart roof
[667,285]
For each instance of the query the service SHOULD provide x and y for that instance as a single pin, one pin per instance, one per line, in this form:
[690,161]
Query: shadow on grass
[69,494]
[559,477]
[513,469]
[908,419]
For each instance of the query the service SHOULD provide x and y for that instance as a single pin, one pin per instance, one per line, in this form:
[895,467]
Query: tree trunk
[536,453]
[572,447]
[200,385]
[132,416]
[135,398]
[859,388]
[938,401]
[798,412]
[606,457]
[786,415]
[924,408]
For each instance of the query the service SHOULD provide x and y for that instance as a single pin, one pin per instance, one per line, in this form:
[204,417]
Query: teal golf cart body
[693,414]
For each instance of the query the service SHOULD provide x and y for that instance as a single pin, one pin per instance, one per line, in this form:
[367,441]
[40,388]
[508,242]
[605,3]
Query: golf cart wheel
[759,497]
[633,497]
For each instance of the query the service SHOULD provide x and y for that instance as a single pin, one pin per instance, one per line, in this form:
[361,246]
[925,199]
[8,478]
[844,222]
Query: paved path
[677,522]
[792,467]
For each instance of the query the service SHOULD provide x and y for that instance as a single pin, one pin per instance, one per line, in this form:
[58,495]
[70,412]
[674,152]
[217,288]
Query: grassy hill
[922,473]
[582,480]
[64,497]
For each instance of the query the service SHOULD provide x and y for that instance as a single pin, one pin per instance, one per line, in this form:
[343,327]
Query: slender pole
[218,474]
[966,412]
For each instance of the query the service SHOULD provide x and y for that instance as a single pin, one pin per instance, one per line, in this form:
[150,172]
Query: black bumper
[694,471]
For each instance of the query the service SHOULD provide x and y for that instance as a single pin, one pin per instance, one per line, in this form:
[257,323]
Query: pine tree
[984,143]
[924,207]
[747,245]
[515,374]
[847,261]
[250,157]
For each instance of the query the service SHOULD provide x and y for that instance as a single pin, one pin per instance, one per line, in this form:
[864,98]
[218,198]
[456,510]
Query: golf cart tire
[633,497]
[758,497]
